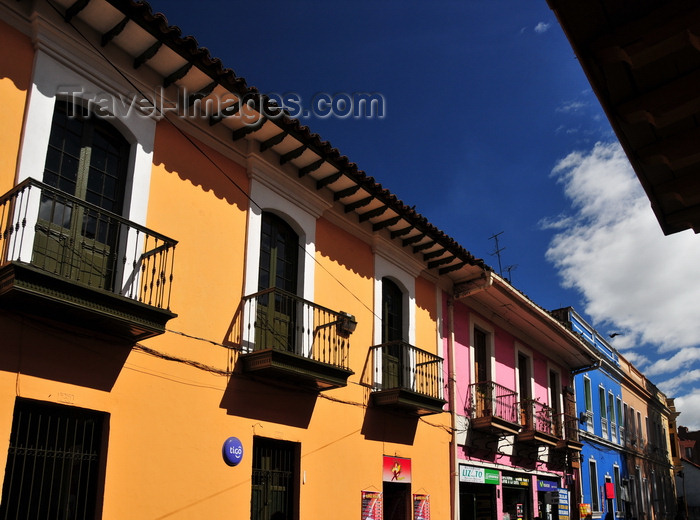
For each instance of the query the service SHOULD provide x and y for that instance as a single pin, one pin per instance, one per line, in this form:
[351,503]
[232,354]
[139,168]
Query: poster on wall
[372,505]
[421,507]
[584,510]
[396,469]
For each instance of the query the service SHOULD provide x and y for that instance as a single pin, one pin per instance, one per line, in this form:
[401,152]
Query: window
[639,428]
[555,403]
[392,311]
[279,255]
[524,376]
[603,413]
[277,321]
[480,356]
[595,496]
[393,353]
[588,402]
[618,489]
[55,462]
[275,479]
[620,420]
[631,427]
[611,415]
[87,158]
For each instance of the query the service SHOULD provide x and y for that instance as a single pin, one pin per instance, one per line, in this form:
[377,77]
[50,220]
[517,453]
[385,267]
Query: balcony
[537,424]
[66,259]
[565,429]
[286,338]
[406,378]
[493,409]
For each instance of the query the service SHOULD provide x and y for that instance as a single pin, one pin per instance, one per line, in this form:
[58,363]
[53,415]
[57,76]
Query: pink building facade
[509,372]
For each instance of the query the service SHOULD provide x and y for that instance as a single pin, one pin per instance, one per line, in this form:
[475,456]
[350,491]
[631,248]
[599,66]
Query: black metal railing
[489,399]
[399,365]
[78,241]
[565,426]
[536,416]
[279,320]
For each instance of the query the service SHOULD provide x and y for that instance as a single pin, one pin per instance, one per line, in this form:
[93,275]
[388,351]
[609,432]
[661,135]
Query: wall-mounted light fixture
[346,324]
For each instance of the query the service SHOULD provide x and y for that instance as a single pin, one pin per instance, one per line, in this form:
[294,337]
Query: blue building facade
[599,408]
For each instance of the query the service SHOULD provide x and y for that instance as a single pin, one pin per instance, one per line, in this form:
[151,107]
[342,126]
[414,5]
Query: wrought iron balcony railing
[281,321]
[536,416]
[565,427]
[398,365]
[489,399]
[69,238]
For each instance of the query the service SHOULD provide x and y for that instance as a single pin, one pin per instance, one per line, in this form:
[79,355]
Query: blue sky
[490,126]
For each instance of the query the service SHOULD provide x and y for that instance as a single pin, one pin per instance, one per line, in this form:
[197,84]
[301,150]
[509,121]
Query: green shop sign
[478,475]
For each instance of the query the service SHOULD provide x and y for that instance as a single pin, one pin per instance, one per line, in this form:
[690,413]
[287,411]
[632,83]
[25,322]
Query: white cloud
[571,106]
[671,386]
[612,250]
[542,27]
[682,358]
[689,406]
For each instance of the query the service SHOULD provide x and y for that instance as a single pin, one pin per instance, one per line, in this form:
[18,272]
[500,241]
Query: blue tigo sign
[232,451]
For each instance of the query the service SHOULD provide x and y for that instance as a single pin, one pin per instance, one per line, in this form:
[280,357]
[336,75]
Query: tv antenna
[498,251]
[509,269]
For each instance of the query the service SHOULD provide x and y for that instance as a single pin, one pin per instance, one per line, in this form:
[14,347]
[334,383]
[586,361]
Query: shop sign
[372,505]
[232,451]
[546,485]
[507,480]
[478,475]
[396,469]
[421,507]
[563,504]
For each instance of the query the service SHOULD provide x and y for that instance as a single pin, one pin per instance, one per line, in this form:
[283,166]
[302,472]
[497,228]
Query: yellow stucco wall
[15,79]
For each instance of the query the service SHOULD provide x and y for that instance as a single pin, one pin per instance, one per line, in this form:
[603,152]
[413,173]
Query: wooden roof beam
[114,31]
[373,213]
[227,111]
[248,129]
[74,9]
[347,192]
[272,141]
[665,105]
[358,204]
[285,158]
[386,223]
[305,170]
[147,54]
[329,179]
[178,74]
